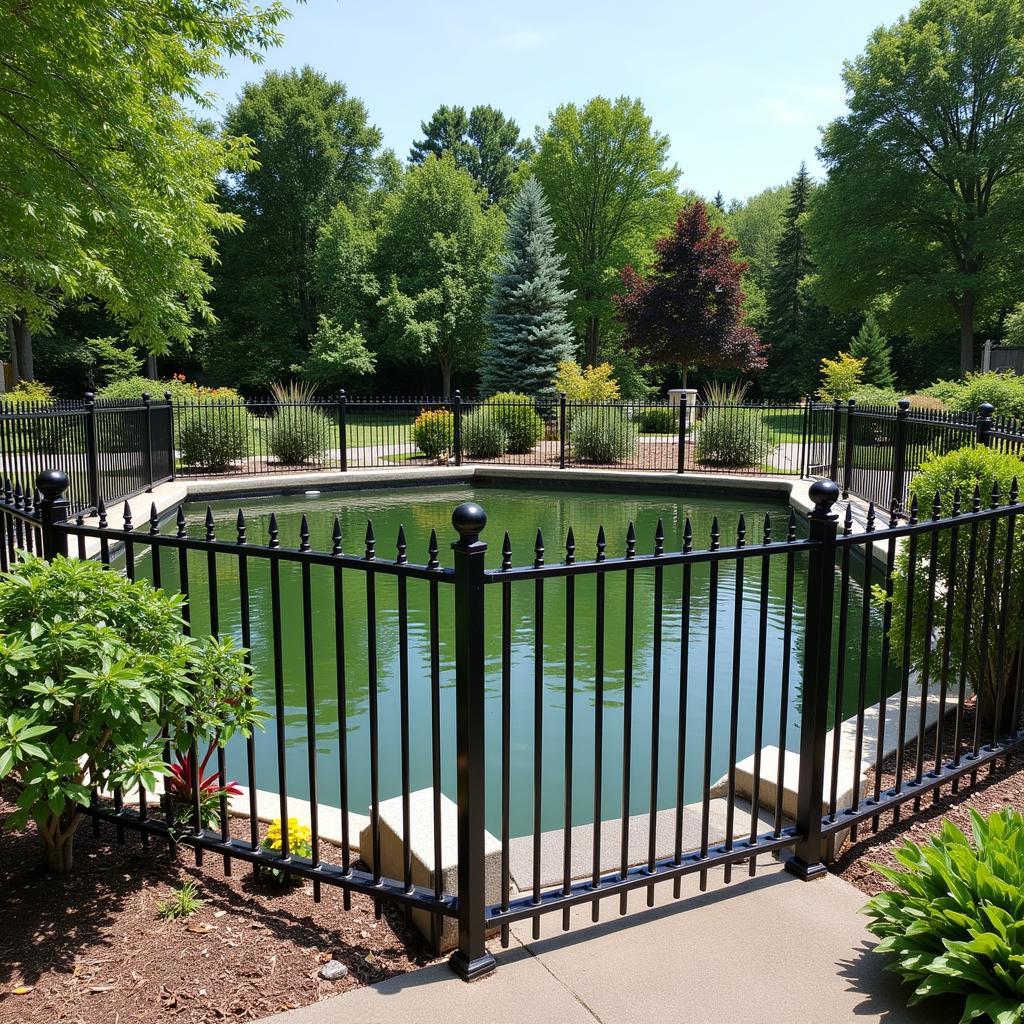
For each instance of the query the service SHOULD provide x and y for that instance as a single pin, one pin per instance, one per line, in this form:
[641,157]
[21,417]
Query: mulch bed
[995,789]
[92,949]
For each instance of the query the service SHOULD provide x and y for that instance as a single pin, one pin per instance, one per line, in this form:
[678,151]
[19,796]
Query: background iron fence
[874,734]
[111,449]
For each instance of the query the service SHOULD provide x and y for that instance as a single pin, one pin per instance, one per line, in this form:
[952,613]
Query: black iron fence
[885,703]
[111,449]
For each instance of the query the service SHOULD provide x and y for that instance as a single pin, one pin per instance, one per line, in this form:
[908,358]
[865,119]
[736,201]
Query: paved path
[768,949]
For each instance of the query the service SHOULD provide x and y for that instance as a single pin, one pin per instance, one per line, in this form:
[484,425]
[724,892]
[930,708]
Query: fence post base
[470,970]
[805,872]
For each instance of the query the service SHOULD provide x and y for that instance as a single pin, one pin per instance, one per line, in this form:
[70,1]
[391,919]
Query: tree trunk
[21,348]
[446,379]
[13,345]
[966,311]
[59,842]
[591,340]
[151,371]
[685,371]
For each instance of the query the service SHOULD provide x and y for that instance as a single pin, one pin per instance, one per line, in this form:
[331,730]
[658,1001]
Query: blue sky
[740,88]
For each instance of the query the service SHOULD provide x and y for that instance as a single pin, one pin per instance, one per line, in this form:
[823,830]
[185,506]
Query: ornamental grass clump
[955,923]
[298,432]
[730,434]
[602,435]
[95,669]
[483,435]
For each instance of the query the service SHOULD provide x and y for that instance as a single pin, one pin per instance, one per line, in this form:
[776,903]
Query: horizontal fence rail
[753,692]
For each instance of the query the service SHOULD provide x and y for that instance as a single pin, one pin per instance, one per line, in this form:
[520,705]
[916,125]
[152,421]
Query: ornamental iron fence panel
[635,743]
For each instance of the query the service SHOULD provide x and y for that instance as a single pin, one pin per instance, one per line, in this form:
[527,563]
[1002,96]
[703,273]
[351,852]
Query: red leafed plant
[689,309]
[178,785]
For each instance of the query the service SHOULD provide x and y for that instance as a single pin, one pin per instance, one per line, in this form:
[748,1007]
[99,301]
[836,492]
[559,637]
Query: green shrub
[965,468]
[1004,389]
[955,923]
[840,377]
[434,432]
[298,432]
[946,391]
[658,420]
[602,435]
[212,436]
[732,437]
[96,666]
[868,395]
[483,436]
[28,392]
[519,419]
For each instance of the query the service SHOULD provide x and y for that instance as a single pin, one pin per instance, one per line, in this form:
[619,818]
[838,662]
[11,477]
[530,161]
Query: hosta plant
[955,922]
[94,670]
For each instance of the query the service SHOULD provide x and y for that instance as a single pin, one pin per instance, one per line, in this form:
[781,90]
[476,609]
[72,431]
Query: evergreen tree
[870,344]
[799,330]
[530,333]
[719,200]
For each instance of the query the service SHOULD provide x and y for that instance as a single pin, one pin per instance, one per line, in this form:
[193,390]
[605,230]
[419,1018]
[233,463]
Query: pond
[521,511]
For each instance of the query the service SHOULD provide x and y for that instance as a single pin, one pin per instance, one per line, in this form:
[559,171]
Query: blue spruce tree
[530,333]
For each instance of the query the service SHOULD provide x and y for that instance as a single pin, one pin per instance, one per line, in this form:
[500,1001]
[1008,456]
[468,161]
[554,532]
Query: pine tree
[799,330]
[530,333]
[869,343]
[719,200]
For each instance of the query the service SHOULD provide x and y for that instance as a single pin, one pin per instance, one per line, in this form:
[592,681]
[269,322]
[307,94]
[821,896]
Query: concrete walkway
[767,949]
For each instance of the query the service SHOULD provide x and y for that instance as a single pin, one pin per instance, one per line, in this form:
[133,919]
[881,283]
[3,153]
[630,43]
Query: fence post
[984,423]
[343,430]
[147,451]
[457,429]
[805,440]
[171,459]
[806,862]
[561,430]
[684,407]
[834,463]
[92,454]
[986,357]
[52,484]
[471,960]
[899,458]
[851,405]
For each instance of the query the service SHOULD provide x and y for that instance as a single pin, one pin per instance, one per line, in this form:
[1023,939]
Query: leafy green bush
[868,395]
[519,419]
[955,924]
[212,436]
[946,391]
[28,392]
[602,435]
[965,468]
[731,437]
[434,432]
[483,436]
[841,377]
[298,432]
[657,420]
[1004,389]
[96,666]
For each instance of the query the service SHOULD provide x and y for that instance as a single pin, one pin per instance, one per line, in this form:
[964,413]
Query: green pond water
[520,511]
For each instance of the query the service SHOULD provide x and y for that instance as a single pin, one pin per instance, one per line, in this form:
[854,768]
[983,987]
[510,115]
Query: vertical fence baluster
[538,725]
[652,821]
[627,714]
[709,701]
[570,664]
[599,603]
[734,696]
[684,673]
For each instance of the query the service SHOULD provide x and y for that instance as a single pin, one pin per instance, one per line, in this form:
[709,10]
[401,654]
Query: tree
[107,185]
[719,201]
[605,173]
[530,333]
[870,345]
[923,210]
[485,143]
[316,148]
[757,224]
[799,330]
[437,251]
[689,310]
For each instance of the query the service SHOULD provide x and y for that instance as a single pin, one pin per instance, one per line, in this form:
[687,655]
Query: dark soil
[90,948]
[997,786]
